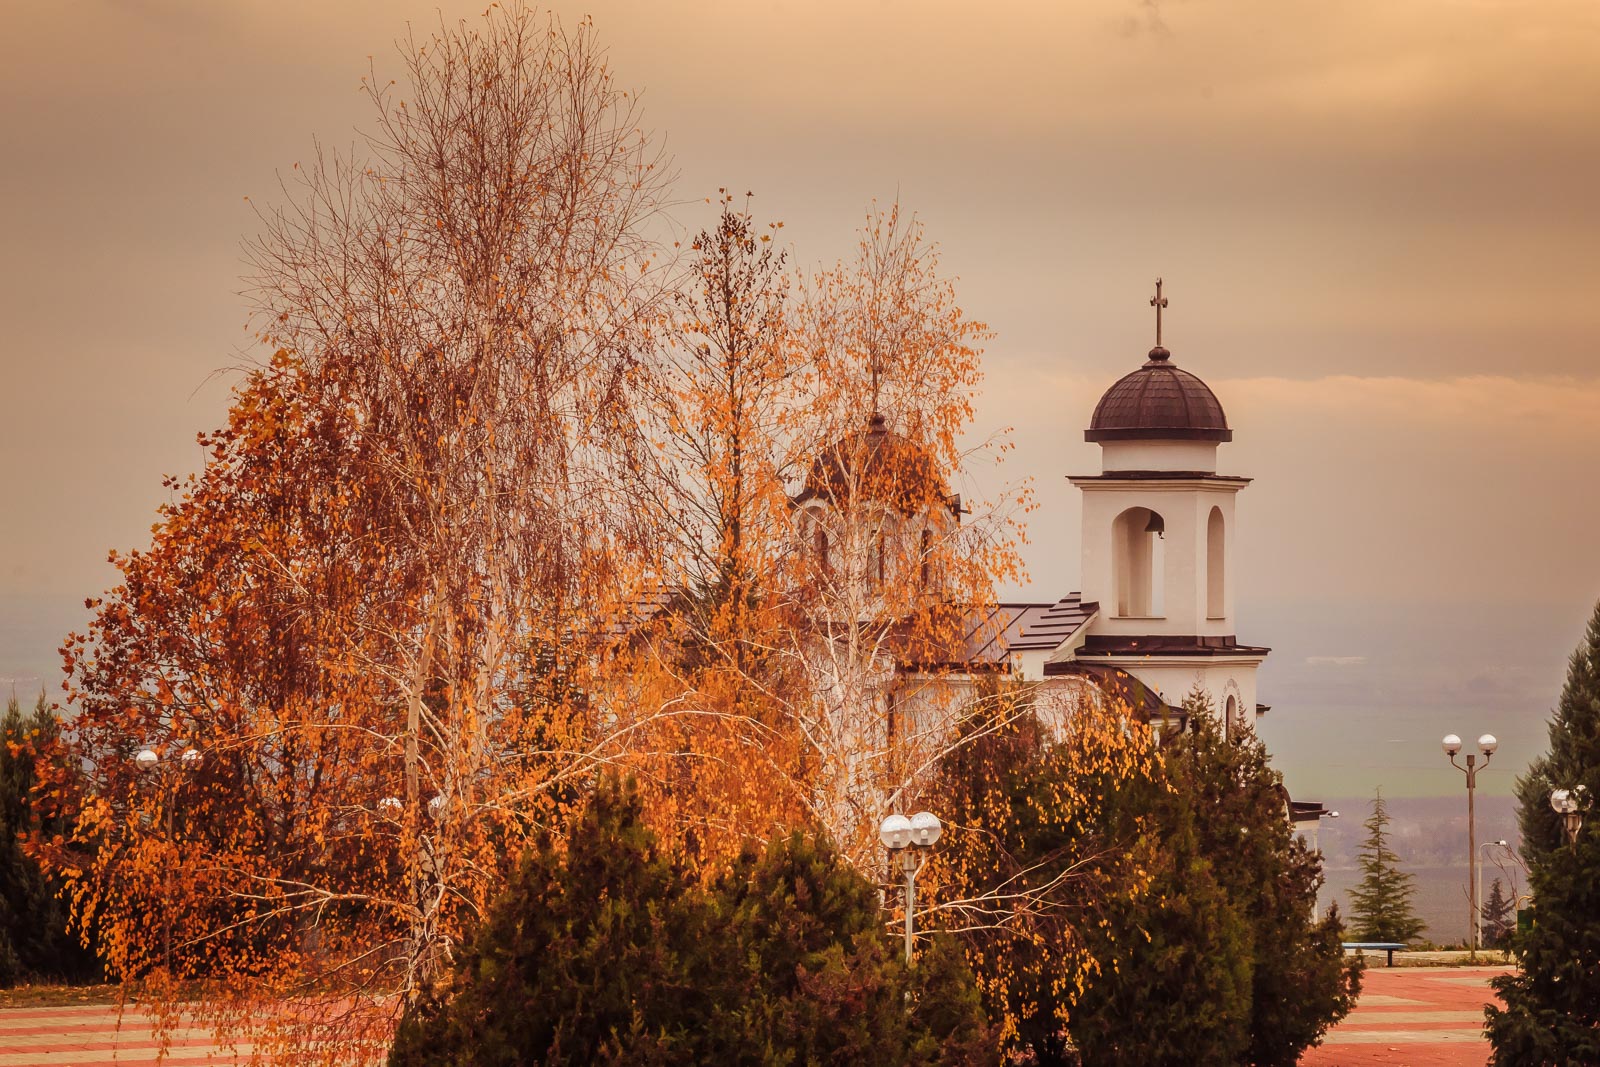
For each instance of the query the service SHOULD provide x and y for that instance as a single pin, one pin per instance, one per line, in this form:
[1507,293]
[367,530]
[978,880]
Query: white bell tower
[1158,539]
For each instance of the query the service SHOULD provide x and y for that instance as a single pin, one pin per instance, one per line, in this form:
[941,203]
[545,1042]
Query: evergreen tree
[1495,914]
[1381,907]
[1552,1002]
[1070,871]
[1300,982]
[34,937]
[603,950]
[1174,983]
[1219,959]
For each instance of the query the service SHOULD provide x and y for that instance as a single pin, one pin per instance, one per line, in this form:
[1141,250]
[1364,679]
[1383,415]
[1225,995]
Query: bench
[1362,947]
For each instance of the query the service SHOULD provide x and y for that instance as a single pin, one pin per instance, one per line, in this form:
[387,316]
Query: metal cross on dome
[1158,302]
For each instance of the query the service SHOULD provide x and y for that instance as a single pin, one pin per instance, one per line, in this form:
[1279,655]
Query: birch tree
[358,647]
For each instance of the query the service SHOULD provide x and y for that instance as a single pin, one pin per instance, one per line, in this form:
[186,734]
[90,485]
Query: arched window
[819,541]
[1138,563]
[1230,718]
[1216,567]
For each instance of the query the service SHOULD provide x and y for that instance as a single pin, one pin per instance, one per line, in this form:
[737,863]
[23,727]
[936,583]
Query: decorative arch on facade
[1138,563]
[1216,566]
[1233,718]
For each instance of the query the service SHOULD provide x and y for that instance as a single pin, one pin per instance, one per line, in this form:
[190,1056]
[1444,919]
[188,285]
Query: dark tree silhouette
[1552,1002]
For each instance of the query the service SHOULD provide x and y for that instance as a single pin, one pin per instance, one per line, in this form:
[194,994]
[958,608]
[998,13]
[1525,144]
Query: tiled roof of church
[1007,628]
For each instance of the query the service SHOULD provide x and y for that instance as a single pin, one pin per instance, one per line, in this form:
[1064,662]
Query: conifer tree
[34,937]
[1300,982]
[604,950]
[1552,1002]
[1496,916]
[1180,878]
[1380,907]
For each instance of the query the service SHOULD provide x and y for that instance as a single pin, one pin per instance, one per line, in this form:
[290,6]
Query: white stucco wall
[1172,677]
[1185,508]
[1158,456]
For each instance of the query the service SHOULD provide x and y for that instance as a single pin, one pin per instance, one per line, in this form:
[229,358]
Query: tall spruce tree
[1552,1002]
[1496,916]
[1381,905]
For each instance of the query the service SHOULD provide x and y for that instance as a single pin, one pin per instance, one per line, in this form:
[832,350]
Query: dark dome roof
[879,465]
[1159,402]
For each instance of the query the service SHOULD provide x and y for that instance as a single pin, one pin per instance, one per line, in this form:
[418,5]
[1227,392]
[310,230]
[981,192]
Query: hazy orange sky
[1377,222]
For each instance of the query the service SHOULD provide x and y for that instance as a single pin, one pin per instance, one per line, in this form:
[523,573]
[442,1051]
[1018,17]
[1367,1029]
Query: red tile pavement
[1407,1017]
[1413,1017]
[81,1034]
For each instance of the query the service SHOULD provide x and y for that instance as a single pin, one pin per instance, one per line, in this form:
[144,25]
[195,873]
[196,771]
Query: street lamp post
[1486,745]
[908,837]
[148,760]
[1570,804]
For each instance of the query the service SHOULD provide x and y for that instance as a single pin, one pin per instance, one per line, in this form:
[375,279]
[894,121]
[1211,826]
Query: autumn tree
[1124,905]
[373,615]
[1044,849]
[720,399]
[820,578]
[895,564]
[1380,904]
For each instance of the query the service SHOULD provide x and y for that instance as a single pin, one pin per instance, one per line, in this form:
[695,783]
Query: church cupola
[1159,402]
[876,465]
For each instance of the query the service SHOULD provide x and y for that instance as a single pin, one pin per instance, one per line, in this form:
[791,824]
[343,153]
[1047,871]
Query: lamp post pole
[907,837]
[1486,745]
[148,759]
[909,864]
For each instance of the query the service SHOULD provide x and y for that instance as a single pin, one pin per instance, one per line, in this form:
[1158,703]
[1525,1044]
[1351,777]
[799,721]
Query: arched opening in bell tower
[1138,563]
[1216,566]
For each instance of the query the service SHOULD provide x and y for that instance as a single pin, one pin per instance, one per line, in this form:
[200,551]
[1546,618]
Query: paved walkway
[93,1034]
[1407,1017]
[1413,1017]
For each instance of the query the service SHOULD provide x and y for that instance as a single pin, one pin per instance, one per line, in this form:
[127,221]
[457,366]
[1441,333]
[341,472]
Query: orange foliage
[374,616]
[506,510]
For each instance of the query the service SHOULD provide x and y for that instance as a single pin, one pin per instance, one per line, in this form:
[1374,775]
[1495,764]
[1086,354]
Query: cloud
[1336,661]
[1478,404]
[1147,18]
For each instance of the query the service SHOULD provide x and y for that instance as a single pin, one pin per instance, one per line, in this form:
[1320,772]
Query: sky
[1376,223]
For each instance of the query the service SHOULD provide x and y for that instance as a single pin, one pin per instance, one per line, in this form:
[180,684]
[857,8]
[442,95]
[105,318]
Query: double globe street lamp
[909,837]
[1486,745]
